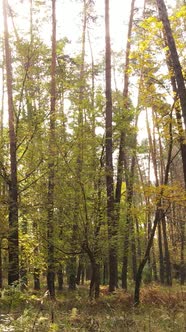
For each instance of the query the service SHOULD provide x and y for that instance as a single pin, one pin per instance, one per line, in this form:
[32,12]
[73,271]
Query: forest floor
[162,309]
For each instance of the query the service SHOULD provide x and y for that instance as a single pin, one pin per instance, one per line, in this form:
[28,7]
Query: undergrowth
[161,309]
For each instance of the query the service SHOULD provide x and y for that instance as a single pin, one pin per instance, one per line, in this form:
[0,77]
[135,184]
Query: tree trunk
[1,271]
[133,249]
[122,159]
[13,237]
[105,273]
[112,226]
[138,240]
[37,286]
[154,265]
[95,280]
[182,258]
[79,272]
[60,278]
[51,164]
[182,148]
[71,273]
[161,260]
[167,255]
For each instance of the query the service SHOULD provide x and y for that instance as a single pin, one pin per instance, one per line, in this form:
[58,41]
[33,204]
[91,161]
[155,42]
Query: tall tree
[51,164]
[122,158]
[112,225]
[13,237]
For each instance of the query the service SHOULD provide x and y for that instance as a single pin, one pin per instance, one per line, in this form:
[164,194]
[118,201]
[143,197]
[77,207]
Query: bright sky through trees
[69,22]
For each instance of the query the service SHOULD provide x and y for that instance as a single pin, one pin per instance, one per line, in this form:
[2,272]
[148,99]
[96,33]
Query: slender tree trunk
[37,285]
[168,273]
[80,147]
[2,184]
[122,160]
[79,271]
[138,240]
[105,273]
[166,264]
[112,226]
[182,148]
[129,226]
[51,164]
[13,237]
[83,276]
[133,249]
[1,271]
[154,265]
[182,254]
[60,279]
[71,273]
[95,280]
[125,253]
[161,260]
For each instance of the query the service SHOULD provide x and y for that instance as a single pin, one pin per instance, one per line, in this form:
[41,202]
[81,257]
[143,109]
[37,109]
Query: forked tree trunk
[13,237]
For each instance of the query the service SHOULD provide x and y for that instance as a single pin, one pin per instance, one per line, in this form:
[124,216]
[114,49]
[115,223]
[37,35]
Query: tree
[122,158]
[112,225]
[13,237]
[51,164]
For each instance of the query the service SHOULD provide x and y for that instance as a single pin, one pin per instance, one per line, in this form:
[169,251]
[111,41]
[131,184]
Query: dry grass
[162,309]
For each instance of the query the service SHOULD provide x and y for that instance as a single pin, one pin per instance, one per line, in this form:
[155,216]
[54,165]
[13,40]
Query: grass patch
[162,309]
